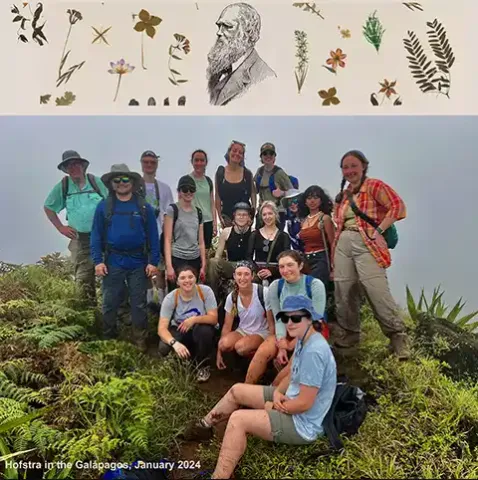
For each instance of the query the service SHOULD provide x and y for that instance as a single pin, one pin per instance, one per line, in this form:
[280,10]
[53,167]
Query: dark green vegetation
[105,401]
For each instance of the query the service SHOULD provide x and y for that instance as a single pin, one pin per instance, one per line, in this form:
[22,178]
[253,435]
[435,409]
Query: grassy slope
[111,403]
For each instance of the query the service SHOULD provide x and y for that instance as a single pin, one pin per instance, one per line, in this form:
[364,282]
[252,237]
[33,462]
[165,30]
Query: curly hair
[326,204]
[363,159]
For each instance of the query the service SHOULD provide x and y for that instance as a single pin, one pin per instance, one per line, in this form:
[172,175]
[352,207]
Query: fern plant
[48,336]
[373,31]
[436,307]
[430,77]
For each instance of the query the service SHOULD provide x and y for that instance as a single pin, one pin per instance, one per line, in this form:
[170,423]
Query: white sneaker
[203,375]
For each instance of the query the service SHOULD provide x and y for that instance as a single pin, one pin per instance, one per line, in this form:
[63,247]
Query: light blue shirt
[314,366]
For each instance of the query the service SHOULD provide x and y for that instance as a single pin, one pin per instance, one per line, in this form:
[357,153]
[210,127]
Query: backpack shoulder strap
[280,287]
[201,294]
[176,301]
[92,180]
[220,174]
[156,191]
[199,211]
[211,186]
[308,285]
[64,187]
[260,294]
[109,207]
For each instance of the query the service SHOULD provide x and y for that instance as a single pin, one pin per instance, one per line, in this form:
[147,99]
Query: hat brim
[314,315]
[107,177]
[285,200]
[61,166]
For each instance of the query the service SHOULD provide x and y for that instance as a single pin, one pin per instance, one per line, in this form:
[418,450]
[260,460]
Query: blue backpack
[272,185]
[308,288]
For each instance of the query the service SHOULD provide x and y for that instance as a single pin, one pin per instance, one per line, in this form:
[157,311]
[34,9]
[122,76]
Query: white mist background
[429,160]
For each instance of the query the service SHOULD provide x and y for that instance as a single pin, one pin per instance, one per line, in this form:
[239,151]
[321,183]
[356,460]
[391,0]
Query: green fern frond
[48,336]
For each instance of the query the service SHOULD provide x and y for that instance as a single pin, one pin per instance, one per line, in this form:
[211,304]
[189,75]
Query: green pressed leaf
[332,92]
[181,81]
[44,99]
[172,81]
[176,57]
[332,70]
[334,101]
[174,71]
[67,99]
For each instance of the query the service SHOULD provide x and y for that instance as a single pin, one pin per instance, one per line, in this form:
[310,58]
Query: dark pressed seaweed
[430,77]
[37,35]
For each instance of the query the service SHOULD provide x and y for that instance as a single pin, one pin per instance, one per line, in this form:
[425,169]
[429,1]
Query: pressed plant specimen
[373,30]
[147,24]
[181,46]
[120,68]
[302,54]
[335,60]
[387,91]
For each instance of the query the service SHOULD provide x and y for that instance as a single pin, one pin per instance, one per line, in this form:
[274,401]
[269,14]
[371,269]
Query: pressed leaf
[67,99]
[323,94]
[334,101]
[332,70]
[326,102]
[144,15]
[332,91]
[172,81]
[63,60]
[176,57]
[155,21]
[150,31]
[181,80]
[373,100]
[17,18]
[174,71]
[44,99]
[397,101]
[140,27]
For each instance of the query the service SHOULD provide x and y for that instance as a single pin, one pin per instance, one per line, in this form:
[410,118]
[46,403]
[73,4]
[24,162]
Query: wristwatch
[172,342]
[379,230]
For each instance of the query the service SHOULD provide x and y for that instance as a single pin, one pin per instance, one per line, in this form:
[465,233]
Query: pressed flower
[329,97]
[75,16]
[336,59]
[147,23]
[388,88]
[345,33]
[120,68]
[183,43]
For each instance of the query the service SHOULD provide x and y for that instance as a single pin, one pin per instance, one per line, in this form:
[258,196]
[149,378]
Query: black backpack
[346,414]
[175,217]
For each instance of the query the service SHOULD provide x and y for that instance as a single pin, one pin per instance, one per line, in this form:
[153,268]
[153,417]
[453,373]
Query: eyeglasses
[270,153]
[187,189]
[294,318]
[121,179]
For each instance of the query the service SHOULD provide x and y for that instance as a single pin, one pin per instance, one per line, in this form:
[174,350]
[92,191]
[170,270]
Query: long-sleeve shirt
[126,236]
[378,200]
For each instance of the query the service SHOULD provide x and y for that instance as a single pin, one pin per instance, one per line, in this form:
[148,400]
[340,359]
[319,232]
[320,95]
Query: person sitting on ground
[293,220]
[246,303]
[233,241]
[187,321]
[291,413]
[184,233]
[204,196]
[293,282]
[125,249]
[266,243]
[79,193]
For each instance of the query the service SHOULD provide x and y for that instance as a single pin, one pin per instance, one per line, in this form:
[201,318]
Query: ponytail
[235,297]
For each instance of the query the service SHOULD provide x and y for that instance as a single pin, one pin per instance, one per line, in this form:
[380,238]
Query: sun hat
[68,156]
[289,195]
[120,170]
[295,303]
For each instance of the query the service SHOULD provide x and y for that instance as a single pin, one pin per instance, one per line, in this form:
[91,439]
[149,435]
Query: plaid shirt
[378,200]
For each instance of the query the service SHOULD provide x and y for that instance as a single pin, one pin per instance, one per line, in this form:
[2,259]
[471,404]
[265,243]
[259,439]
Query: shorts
[264,334]
[282,425]
[208,230]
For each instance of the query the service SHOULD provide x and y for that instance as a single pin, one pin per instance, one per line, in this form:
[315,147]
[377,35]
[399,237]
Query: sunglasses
[294,318]
[188,190]
[121,179]
[294,202]
[269,153]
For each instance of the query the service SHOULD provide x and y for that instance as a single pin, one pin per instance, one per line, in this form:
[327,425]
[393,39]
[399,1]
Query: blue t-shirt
[126,233]
[314,366]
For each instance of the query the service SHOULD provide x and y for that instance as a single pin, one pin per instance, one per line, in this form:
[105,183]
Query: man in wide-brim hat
[125,249]
[79,193]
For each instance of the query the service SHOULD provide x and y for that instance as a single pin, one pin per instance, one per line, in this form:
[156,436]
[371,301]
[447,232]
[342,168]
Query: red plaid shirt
[378,200]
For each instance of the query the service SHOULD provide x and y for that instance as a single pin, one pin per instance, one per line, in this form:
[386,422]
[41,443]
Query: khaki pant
[84,266]
[219,271]
[355,267]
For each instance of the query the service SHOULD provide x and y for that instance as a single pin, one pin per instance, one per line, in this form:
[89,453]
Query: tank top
[236,245]
[232,193]
[312,238]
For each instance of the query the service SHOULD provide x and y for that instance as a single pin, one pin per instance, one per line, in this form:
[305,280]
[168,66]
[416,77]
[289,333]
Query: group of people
[282,256]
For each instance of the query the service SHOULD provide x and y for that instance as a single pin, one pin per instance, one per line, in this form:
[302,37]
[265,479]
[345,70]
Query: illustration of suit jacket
[252,70]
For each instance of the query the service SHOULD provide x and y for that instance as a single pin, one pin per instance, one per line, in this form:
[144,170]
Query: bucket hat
[289,195]
[69,155]
[120,170]
[294,303]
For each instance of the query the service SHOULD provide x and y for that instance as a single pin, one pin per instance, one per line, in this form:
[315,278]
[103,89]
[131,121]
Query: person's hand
[181,350]
[202,274]
[187,324]
[282,343]
[381,242]
[171,274]
[214,230]
[331,275]
[282,357]
[220,361]
[277,193]
[151,270]
[101,270]
[268,406]
[278,399]
[264,273]
[69,232]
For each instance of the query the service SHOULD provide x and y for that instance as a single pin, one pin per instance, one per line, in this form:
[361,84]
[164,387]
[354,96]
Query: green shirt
[202,198]
[80,204]
[281,180]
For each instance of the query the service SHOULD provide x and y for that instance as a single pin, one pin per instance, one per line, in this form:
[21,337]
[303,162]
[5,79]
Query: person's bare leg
[248,344]
[258,366]
[238,395]
[228,342]
[242,422]
[281,375]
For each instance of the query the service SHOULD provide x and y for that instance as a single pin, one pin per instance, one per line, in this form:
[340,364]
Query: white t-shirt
[251,319]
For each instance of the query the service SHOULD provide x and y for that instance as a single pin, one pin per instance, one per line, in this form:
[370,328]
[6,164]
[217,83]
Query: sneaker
[203,375]
[399,346]
[197,432]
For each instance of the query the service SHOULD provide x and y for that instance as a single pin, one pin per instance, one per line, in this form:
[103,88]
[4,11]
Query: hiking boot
[139,338]
[399,346]
[203,374]
[197,432]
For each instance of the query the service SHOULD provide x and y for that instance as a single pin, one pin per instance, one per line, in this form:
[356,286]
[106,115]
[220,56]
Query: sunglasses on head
[188,189]
[268,152]
[121,179]
[294,318]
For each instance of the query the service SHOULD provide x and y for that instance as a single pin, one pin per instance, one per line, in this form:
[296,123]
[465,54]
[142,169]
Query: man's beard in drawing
[223,54]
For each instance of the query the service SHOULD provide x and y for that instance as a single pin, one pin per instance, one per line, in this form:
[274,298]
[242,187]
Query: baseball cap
[149,153]
[268,146]
[186,181]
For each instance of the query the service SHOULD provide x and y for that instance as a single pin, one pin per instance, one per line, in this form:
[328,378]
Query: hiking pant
[83,266]
[199,340]
[219,271]
[113,295]
[354,266]
[179,262]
